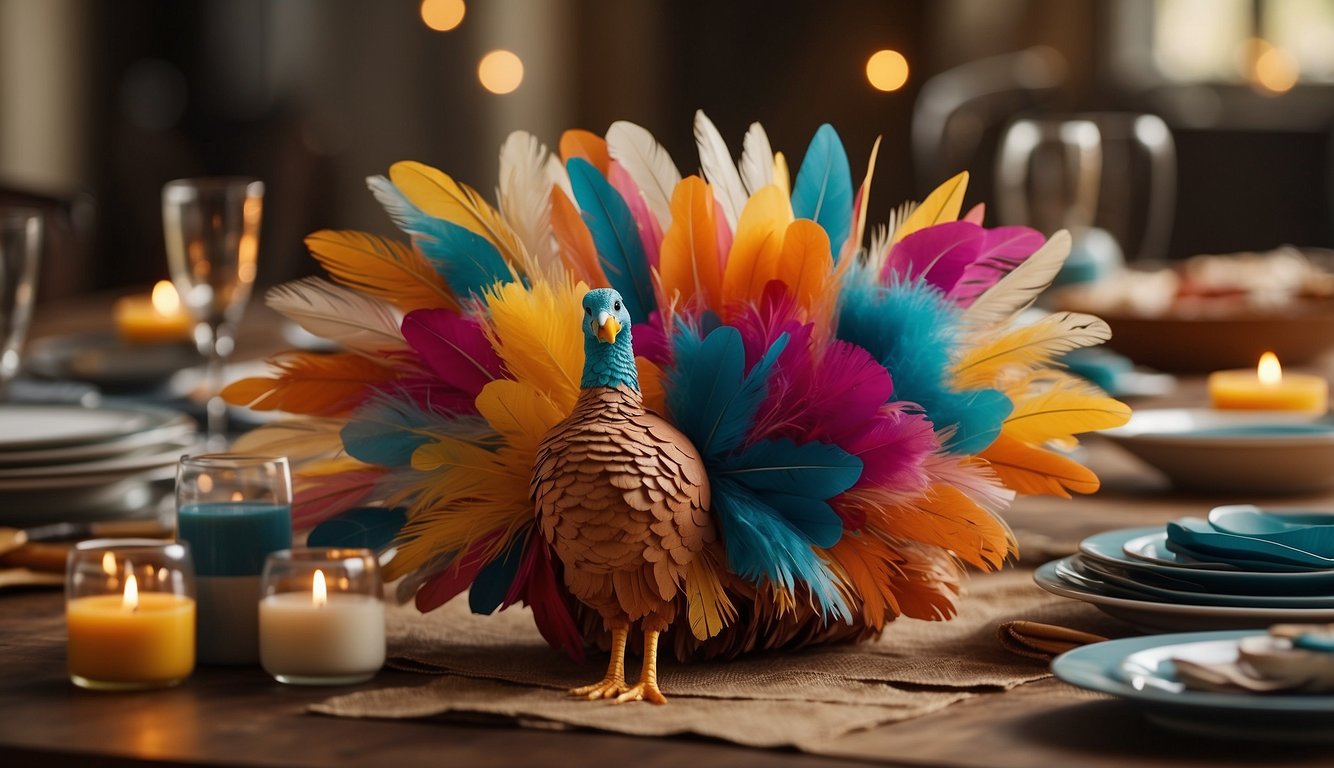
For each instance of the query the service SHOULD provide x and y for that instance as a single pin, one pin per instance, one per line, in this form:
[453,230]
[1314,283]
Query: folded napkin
[1041,641]
[1292,658]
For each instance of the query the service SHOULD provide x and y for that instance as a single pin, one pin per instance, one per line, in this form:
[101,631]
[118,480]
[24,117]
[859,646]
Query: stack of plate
[1202,577]
[68,463]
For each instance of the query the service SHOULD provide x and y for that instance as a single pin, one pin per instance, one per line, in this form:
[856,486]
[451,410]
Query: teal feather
[823,191]
[616,236]
[360,527]
[763,546]
[387,430]
[709,395]
[468,262]
[910,328]
[493,582]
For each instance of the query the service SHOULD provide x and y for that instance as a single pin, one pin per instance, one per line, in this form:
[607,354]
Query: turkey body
[622,498]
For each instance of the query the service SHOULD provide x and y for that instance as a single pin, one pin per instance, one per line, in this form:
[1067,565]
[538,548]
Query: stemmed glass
[211,226]
[20,245]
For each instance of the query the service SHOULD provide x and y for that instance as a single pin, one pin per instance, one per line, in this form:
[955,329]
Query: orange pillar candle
[130,614]
[1267,388]
[153,319]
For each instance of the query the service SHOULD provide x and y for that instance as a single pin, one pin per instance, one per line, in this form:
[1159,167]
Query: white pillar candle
[337,641]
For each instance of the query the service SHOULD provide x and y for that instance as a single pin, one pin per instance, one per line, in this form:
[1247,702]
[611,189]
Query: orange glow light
[443,15]
[500,71]
[887,70]
[1269,371]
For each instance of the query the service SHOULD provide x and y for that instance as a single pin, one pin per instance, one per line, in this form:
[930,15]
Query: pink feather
[893,448]
[536,584]
[449,583]
[650,232]
[976,214]
[455,349]
[1003,249]
[332,496]
[939,253]
[651,342]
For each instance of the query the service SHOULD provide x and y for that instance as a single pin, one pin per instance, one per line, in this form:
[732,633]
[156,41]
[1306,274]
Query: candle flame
[109,564]
[166,301]
[1269,371]
[130,601]
[318,594]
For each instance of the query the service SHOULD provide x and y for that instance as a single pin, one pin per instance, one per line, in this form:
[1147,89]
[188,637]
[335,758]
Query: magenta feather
[940,254]
[650,231]
[449,583]
[650,341]
[537,585]
[842,392]
[332,496]
[893,448]
[455,349]
[1003,249]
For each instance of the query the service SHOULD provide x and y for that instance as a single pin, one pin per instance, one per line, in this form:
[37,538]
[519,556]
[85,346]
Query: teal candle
[233,538]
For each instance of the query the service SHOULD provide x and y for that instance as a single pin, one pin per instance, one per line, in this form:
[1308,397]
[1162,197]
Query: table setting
[711,434]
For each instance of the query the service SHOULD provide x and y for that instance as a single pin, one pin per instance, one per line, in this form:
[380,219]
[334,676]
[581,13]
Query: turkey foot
[613,684]
[647,687]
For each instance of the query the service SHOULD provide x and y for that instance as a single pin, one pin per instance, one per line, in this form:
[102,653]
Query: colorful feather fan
[701,408]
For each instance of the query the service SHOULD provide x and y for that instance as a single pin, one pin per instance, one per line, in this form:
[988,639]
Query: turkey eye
[588,311]
[616,306]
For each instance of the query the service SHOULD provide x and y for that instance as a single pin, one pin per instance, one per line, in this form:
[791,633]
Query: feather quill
[1029,347]
[719,168]
[862,203]
[358,322]
[649,165]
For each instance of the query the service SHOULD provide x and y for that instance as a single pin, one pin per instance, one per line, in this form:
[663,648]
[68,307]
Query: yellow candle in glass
[1267,388]
[153,319]
[131,640]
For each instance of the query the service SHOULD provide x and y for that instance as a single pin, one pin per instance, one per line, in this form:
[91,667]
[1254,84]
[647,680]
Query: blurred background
[101,103]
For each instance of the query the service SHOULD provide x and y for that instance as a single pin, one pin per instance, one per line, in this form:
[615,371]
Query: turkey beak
[608,327]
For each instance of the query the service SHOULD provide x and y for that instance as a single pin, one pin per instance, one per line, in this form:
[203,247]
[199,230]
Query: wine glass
[234,511]
[20,245]
[211,227]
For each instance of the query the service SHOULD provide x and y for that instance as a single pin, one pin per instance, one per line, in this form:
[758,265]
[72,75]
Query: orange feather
[589,146]
[806,262]
[1032,471]
[382,268]
[577,250]
[314,384]
[757,247]
[946,517]
[689,258]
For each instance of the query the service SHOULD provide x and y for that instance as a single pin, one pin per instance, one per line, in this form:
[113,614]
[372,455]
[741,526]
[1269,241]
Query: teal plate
[1109,547]
[1139,670]
[1173,617]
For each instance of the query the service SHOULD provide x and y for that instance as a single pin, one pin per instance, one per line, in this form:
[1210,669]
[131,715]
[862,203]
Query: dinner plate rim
[1118,557]
[1128,433]
[133,416]
[1046,578]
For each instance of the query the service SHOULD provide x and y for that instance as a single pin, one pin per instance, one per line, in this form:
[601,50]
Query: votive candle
[1268,388]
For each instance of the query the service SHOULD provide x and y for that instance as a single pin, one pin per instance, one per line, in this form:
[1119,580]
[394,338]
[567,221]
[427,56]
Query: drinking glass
[211,227]
[234,511]
[20,246]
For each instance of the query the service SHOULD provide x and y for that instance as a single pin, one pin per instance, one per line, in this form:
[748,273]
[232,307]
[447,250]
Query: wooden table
[241,717]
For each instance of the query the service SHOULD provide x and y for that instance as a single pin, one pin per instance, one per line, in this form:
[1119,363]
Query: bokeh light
[887,70]
[443,15]
[500,71]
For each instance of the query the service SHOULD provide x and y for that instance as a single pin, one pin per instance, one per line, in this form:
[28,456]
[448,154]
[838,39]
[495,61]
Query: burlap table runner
[499,665]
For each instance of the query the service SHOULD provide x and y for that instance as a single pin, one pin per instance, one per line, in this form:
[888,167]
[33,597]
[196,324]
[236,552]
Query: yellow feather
[440,196]
[519,412]
[688,262]
[707,605]
[940,206]
[859,231]
[538,333]
[1032,471]
[1058,406]
[381,268]
[1028,347]
[300,440]
[757,246]
[806,262]
[782,179]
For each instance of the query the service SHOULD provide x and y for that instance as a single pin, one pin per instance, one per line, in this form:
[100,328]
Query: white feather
[1018,290]
[557,176]
[399,208]
[757,159]
[524,194]
[649,166]
[356,321]
[719,168]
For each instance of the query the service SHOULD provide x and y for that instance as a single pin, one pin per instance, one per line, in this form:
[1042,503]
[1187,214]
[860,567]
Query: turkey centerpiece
[707,413]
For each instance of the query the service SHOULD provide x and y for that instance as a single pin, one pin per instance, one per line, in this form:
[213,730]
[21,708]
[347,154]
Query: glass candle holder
[321,621]
[130,609]
[233,510]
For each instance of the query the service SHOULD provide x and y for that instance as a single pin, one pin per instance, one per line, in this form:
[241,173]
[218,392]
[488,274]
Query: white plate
[1269,452]
[1172,617]
[59,476]
[1139,670]
[181,428]
[32,427]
